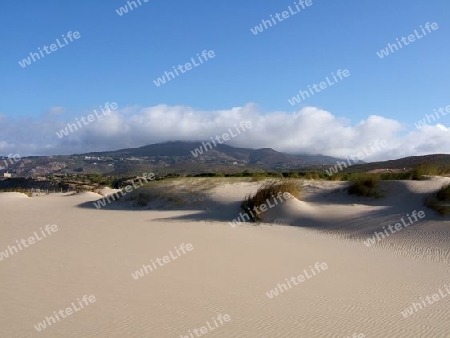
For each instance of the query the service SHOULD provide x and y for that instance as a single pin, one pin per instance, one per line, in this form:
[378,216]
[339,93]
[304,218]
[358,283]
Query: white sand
[230,270]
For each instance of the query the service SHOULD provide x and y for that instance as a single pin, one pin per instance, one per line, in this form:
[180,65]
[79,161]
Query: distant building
[7,175]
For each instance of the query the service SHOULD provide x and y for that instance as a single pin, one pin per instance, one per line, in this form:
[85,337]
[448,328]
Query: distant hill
[266,157]
[402,163]
[175,157]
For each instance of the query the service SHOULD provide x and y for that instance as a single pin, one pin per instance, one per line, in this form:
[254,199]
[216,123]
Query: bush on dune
[365,186]
[440,201]
[268,191]
[421,171]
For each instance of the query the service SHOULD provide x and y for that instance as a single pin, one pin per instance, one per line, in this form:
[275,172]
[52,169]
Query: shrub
[312,175]
[268,191]
[291,175]
[210,175]
[397,176]
[444,193]
[365,186]
[440,201]
[142,199]
[431,169]
[98,191]
[336,177]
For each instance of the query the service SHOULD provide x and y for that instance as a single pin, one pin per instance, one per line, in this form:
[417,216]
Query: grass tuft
[366,185]
[267,192]
[440,201]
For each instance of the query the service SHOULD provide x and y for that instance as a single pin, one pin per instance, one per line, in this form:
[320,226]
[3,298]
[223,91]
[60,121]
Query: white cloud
[310,130]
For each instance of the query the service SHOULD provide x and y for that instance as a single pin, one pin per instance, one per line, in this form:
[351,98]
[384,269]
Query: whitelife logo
[318,267]
[31,240]
[416,307]
[411,38]
[378,236]
[262,208]
[161,262]
[222,319]
[12,160]
[68,311]
[319,87]
[361,156]
[53,48]
[71,127]
[244,125]
[285,14]
[187,67]
[124,10]
[437,112]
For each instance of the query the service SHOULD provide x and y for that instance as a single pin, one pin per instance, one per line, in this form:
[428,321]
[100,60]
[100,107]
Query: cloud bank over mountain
[309,130]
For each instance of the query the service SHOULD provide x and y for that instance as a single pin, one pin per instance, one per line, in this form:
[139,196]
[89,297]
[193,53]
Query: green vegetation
[440,201]
[210,175]
[422,170]
[365,185]
[93,181]
[267,192]
[174,192]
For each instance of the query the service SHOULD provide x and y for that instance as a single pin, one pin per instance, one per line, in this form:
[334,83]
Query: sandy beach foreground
[186,272]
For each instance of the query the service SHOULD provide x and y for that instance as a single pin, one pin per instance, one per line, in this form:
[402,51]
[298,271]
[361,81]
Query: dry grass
[440,201]
[98,191]
[177,192]
[266,192]
[366,186]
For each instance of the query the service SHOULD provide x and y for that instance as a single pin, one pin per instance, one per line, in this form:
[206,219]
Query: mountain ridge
[176,156]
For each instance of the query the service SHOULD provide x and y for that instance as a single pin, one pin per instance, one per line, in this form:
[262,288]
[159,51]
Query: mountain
[176,157]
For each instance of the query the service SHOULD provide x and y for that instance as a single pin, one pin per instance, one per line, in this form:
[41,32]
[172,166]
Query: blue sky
[118,57]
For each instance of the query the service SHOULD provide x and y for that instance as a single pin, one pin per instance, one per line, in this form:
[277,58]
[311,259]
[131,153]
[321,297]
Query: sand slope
[229,271]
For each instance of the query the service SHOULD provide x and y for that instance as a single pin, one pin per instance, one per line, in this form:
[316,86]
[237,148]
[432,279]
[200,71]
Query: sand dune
[11,196]
[230,270]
